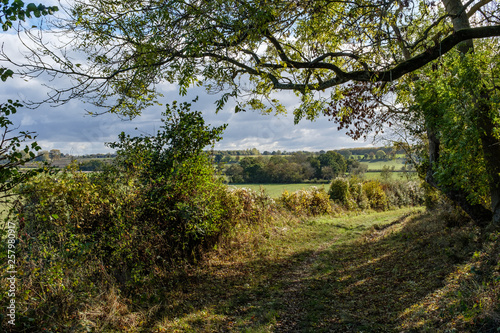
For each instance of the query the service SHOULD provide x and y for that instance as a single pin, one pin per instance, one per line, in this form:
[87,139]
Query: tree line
[295,168]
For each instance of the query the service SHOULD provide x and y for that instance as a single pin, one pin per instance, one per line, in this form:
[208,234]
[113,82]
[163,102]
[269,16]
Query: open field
[275,190]
[376,175]
[378,165]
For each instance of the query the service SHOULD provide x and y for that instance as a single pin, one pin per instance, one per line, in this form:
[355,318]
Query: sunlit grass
[275,190]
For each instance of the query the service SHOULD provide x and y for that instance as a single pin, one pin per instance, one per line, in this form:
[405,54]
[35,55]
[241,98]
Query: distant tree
[253,169]
[327,172]
[55,154]
[226,159]
[346,153]
[218,158]
[380,155]
[316,166]
[93,165]
[278,159]
[299,157]
[255,151]
[235,173]
[333,160]
[354,167]
[307,170]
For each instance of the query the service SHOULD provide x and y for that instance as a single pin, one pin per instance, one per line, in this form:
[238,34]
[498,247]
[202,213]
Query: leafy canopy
[247,49]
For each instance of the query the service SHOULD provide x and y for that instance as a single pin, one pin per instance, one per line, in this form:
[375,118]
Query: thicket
[310,202]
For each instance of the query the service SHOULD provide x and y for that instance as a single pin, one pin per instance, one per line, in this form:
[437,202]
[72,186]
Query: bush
[67,235]
[358,195]
[375,194]
[400,194]
[339,191]
[161,205]
[312,202]
[250,207]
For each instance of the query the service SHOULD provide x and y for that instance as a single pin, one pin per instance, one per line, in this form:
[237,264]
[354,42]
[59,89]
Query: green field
[275,190]
[379,272]
[378,165]
[376,175]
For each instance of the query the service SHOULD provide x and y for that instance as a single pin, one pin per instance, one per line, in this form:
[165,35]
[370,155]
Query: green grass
[275,190]
[253,289]
[378,165]
[367,273]
[395,271]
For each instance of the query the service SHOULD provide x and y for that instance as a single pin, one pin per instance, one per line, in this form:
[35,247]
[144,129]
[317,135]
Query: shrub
[358,195]
[248,206]
[65,225]
[184,200]
[339,191]
[401,194]
[161,205]
[311,202]
[375,194]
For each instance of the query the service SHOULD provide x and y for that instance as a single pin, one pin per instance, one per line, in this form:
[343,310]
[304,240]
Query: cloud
[70,130]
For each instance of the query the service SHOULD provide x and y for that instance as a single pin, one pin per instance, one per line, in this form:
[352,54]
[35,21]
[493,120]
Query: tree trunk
[460,21]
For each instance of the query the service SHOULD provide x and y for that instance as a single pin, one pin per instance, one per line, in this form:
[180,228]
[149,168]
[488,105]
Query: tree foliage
[15,10]
[295,168]
[248,49]
[12,152]
[450,99]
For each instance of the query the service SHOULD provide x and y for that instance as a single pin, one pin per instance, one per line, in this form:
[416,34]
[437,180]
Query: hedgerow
[353,193]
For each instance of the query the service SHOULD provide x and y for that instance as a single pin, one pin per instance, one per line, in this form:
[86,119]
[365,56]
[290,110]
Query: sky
[69,128]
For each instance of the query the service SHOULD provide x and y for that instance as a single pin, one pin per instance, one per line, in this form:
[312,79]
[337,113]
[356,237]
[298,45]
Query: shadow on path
[341,286]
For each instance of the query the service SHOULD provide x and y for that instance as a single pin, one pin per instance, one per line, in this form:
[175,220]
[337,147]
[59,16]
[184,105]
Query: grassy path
[354,274]
[294,292]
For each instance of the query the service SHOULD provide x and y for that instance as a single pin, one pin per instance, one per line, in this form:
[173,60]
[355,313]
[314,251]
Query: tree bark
[460,21]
